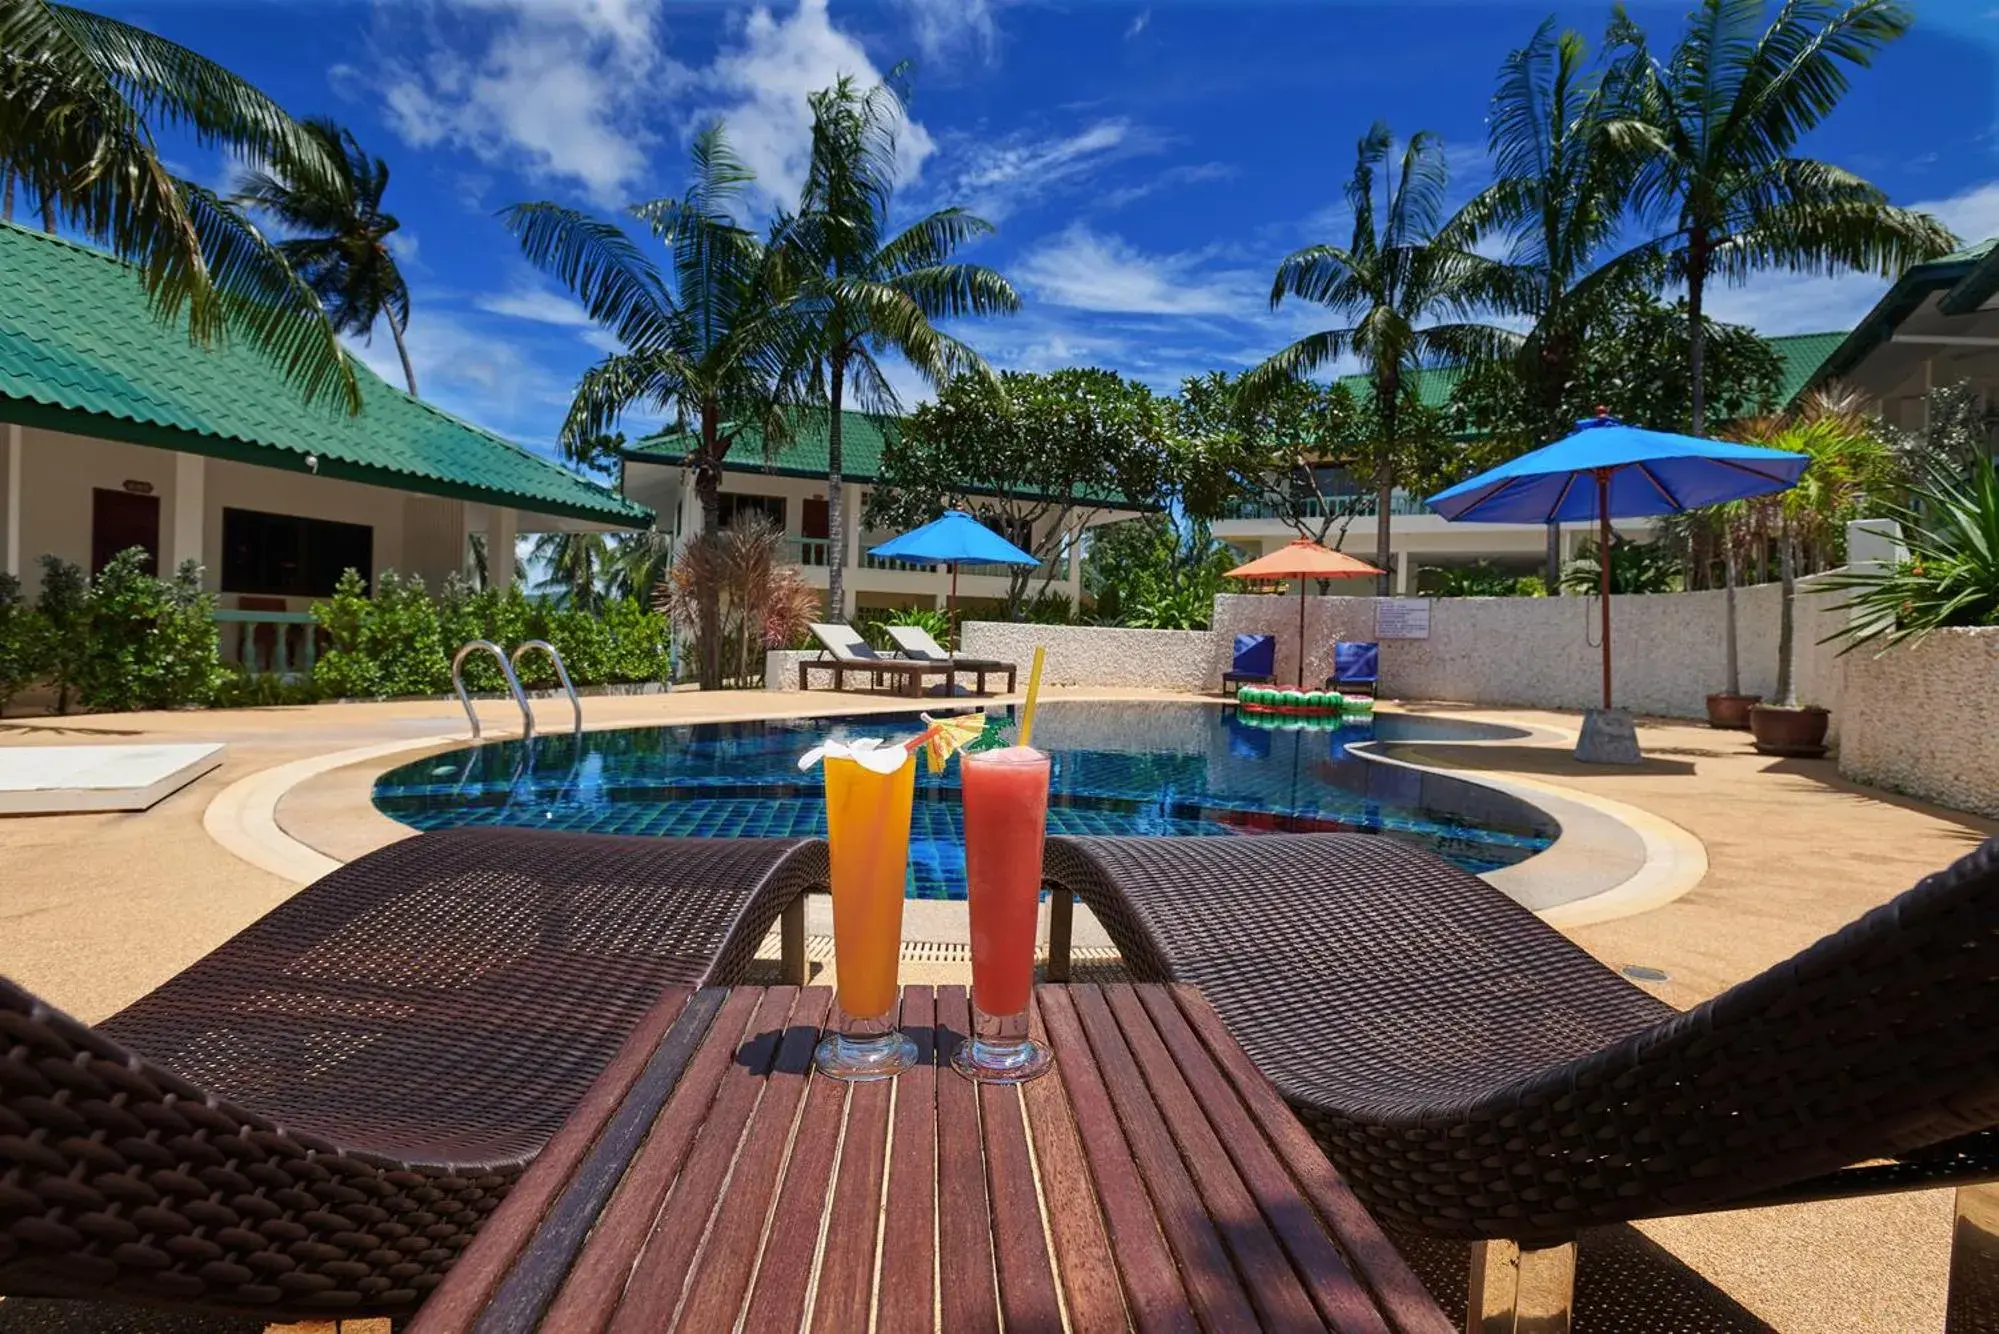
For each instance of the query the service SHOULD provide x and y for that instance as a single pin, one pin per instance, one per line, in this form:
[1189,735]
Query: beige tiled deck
[100,908]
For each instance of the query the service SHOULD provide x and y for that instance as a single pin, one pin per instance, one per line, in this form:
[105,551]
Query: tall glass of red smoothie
[1006,817]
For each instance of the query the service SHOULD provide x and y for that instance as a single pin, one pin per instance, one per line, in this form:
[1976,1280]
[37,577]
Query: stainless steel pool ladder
[506,669]
[561,674]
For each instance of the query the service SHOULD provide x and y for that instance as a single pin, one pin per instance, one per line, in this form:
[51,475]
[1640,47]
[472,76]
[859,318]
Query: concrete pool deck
[100,908]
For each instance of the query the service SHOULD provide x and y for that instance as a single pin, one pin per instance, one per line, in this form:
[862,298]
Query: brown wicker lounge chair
[318,1116]
[1476,1075]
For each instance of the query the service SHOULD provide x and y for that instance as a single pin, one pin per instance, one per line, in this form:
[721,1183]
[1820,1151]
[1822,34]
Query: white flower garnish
[868,752]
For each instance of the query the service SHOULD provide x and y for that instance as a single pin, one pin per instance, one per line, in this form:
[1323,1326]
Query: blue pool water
[1126,768]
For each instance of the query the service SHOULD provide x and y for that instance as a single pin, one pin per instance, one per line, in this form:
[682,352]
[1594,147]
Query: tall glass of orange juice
[867,828]
[1006,818]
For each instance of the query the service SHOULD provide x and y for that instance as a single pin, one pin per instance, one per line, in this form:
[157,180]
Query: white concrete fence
[1922,719]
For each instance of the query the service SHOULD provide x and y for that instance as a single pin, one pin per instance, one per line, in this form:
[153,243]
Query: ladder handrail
[465,650]
[561,673]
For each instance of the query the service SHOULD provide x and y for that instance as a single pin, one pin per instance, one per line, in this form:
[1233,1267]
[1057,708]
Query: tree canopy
[1034,457]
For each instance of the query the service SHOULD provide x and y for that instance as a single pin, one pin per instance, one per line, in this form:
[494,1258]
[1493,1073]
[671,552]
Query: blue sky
[1147,165]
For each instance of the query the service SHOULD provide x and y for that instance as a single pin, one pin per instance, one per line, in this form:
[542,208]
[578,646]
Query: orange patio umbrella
[1303,559]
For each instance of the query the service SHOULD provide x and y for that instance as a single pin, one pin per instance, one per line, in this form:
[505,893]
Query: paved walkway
[101,908]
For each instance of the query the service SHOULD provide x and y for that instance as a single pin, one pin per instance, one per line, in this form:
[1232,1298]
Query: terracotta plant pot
[1730,711]
[1797,732]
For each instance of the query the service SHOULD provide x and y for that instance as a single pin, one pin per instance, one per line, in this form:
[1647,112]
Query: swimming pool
[1168,768]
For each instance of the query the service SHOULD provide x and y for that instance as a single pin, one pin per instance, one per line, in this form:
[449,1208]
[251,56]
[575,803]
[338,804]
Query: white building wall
[58,472]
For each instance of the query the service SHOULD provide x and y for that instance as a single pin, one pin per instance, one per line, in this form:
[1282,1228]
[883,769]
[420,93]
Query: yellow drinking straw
[1033,693]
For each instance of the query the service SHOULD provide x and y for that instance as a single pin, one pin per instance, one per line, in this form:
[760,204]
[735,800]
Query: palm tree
[79,97]
[867,292]
[1717,124]
[574,568]
[1559,193]
[1408,279]
[713,337]
[339,236]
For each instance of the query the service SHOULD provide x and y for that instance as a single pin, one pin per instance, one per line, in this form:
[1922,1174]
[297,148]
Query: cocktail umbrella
[1608,470]
[1303,559]
[954,539]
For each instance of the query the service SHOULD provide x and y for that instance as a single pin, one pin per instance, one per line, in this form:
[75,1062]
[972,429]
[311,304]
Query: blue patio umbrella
[955,539]
[1608,470]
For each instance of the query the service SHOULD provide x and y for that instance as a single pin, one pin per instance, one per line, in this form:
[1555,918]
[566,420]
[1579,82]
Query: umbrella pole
[952,615]
[1301,633]
[1603,568]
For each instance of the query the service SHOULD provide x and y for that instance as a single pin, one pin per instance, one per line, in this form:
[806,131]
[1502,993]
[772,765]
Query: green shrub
[1049,608]
[22,637]
[347,670]
[400,642]
[240,689]
[63,610]
[150,643]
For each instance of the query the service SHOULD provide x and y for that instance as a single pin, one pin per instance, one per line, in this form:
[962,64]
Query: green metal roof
[863,437]
[81,351]
[1965,270]
[1433,385]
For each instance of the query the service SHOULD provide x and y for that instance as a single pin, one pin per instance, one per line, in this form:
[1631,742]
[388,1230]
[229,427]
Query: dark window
[815,520]
[285,555]
[734,504]
[119,519]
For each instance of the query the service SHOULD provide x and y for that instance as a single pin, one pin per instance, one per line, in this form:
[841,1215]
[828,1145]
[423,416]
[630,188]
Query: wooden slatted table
[710,1181]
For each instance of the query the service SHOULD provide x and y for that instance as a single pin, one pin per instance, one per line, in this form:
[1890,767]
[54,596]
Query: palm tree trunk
[49,214]
[1734,654]
[836,509]
[1697,262]
[1787,574]
[7,196]
[409,371]
[708,487]
[1384,491]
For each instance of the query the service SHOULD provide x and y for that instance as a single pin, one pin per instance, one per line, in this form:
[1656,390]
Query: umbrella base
[1608,737]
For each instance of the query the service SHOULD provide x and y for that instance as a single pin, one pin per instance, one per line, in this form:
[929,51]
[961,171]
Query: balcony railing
[1359,506]
[817,552]
[280,642]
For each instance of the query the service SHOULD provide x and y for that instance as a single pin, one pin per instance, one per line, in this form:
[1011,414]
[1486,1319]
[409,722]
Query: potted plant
[1850,464]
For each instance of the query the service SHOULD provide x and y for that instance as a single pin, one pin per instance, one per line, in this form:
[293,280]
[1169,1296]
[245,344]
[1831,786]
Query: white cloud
[557,91]
[944,29]
[472,369]
[995,177]
[1086,270]
[1138,24]
[759,87]
[529,302]
[1781,303]
[1195,173]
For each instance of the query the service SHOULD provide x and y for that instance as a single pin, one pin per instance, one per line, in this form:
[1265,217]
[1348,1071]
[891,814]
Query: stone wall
[1090,655]
[1923,719]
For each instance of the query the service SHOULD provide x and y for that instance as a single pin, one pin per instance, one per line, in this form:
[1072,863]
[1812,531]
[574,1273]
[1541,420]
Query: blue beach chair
[1356,667]
[1255,663]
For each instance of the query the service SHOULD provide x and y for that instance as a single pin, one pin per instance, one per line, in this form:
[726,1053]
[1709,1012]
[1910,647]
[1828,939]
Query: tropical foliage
[339,235]
[713,337]
[1635,567]
[81,96]
[1034,457]
[397,642]
[866,291]
[1407,280]
[1156,573]
[1715,127]
[1480,579]
[123,640]
[1951,574]
[763,603]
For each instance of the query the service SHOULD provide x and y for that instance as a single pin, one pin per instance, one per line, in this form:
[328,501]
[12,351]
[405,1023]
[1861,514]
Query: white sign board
[1402,618]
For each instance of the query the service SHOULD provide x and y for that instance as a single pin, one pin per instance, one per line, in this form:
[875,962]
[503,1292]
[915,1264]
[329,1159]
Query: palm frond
[598,263]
